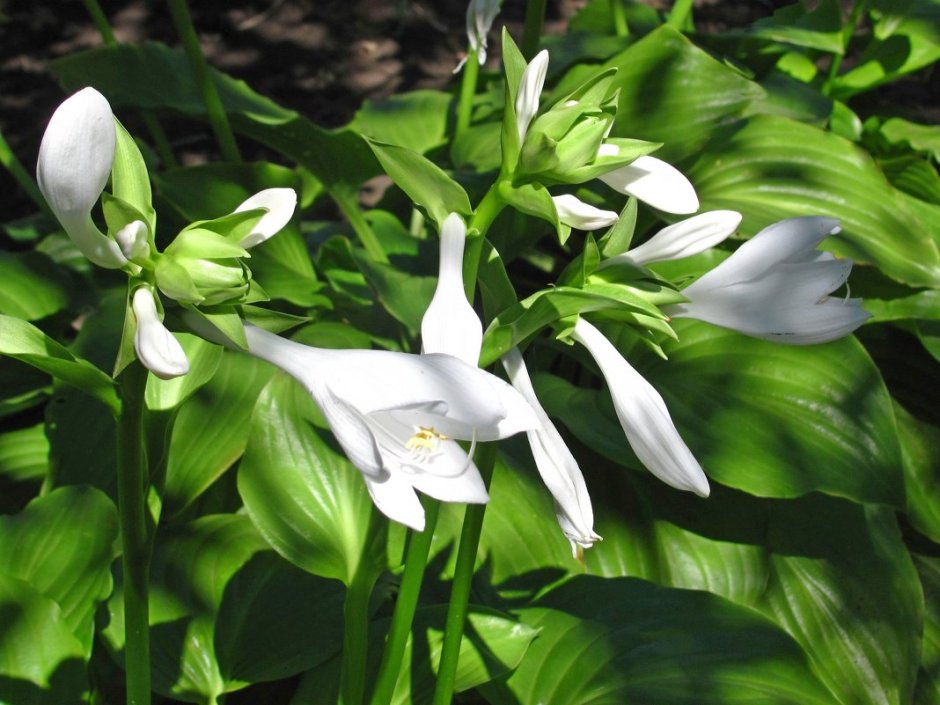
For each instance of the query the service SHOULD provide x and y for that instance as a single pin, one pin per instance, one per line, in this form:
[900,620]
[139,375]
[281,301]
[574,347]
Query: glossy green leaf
[624,640]
[31,286]
[24,453]
[306,499]
[920,450]
[415,120]
[62,544]
[923,138]
[211,429]
[818,28]
[203,359]
[82,442]
[928,678]
[404,295]
[774,168]
[921,305]
[226,611]
[425,183]
[25,342]
[40,658]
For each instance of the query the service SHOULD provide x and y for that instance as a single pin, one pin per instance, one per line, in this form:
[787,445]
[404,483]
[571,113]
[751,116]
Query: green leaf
[130,181]
[24,454]
[922,305]
[306,499]
[920,451]
[922,138]
[425,183]
[82,442]
[62,544]
[773,168]
[163,394]
[31,286]
[25,342]
[819,28]
[416,120]
[625,640]
[534,200]
[211,428]
[928,678]
[404,295]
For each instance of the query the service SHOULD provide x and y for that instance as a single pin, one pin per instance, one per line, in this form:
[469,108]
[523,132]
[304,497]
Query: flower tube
[157,348]
[280,203]
[643,416]
[75,160]
[776,286]
[575,213]
[683,239]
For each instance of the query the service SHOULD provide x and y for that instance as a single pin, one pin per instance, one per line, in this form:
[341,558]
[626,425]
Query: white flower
[652,181]
[480,16]
[280,203]
[555,463]
[75,160]
[776,286]
[530,88]
[450,325]
[643,416]
[133,240]
[397,416]
[683,239]
[157,349]
[575,213]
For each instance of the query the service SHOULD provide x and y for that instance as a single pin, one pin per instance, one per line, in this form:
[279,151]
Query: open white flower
[530,89]
[157,348]
[652,181]
[397,417]
[75,160]
[575,213]
[557,466]
[280,203]
[776,286]
[683,239]
[643,416]
[450,325]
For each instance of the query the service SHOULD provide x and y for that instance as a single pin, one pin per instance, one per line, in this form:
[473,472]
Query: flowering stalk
[468,88]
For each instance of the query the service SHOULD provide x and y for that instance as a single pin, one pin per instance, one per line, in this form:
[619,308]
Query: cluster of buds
[84,147]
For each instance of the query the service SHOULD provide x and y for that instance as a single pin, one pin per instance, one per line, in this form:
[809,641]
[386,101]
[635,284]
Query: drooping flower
[530,88]
[683,239]
[75,160]
[157,348]
[397,417]
[280,202]
[557,466]
[450,325]
[776,286]
[480,16]
[575,213]
[643,416]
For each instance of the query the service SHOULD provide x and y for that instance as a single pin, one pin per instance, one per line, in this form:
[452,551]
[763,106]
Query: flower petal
[575,213]
[655,182]
[280,203]
[157,348]
[643,416]
[480,16]
[683,239]
[133,240]
[396,499]
[530,89]
[450,325]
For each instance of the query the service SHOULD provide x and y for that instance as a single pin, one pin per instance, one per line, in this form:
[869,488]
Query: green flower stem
[405,605]
[460,591]
[352,683]
[210,96]
[532,33]
[22,177]
[468,89]
[482,219]
[621,29]
[680,16]
[101,22]
[350,207]
[132,486]
[848,30]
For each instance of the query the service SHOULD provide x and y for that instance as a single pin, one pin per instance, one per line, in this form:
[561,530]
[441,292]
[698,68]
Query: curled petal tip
[157,348]
[280,203]
[656,183]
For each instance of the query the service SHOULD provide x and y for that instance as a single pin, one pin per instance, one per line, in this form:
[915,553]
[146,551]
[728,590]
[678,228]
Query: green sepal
[130,181]
[538,153]
[581,267]
[234,227]
[270,320]
[514,65]
[174,280]
[225,326]
[597,90]
[256,293]
[618,238]
[630,149]
[126,352]
[534,199]
[579,147]
[202,243]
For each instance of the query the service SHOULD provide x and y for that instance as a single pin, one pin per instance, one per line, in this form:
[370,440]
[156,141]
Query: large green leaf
[306,499]
[227,612]
[24,453]
[416,120]
[920,449]
[616,640]
[62,544]
[928,679]
[819,28]
[163,394]
[211,429]
[24,342]
[31,286]
[773,168]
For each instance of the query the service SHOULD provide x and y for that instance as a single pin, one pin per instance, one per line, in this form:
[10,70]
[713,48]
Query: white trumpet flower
[683,239]
[480,16]
[280,203]
[577,214]
[557,466]
[75,160]
[397,417]
[643,416]
[450,325]
[776,286]
[530,88]
[157,348]
[652,181]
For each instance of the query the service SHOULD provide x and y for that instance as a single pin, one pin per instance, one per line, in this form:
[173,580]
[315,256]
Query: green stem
[680,16]
[22,177]
[621,29]
[352,683]
[132,488]
[460,591]
[350,207]
[482,219]
[468,89]
[210,96]
[101,22]
[532,33]
[415,561]
[858,8]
